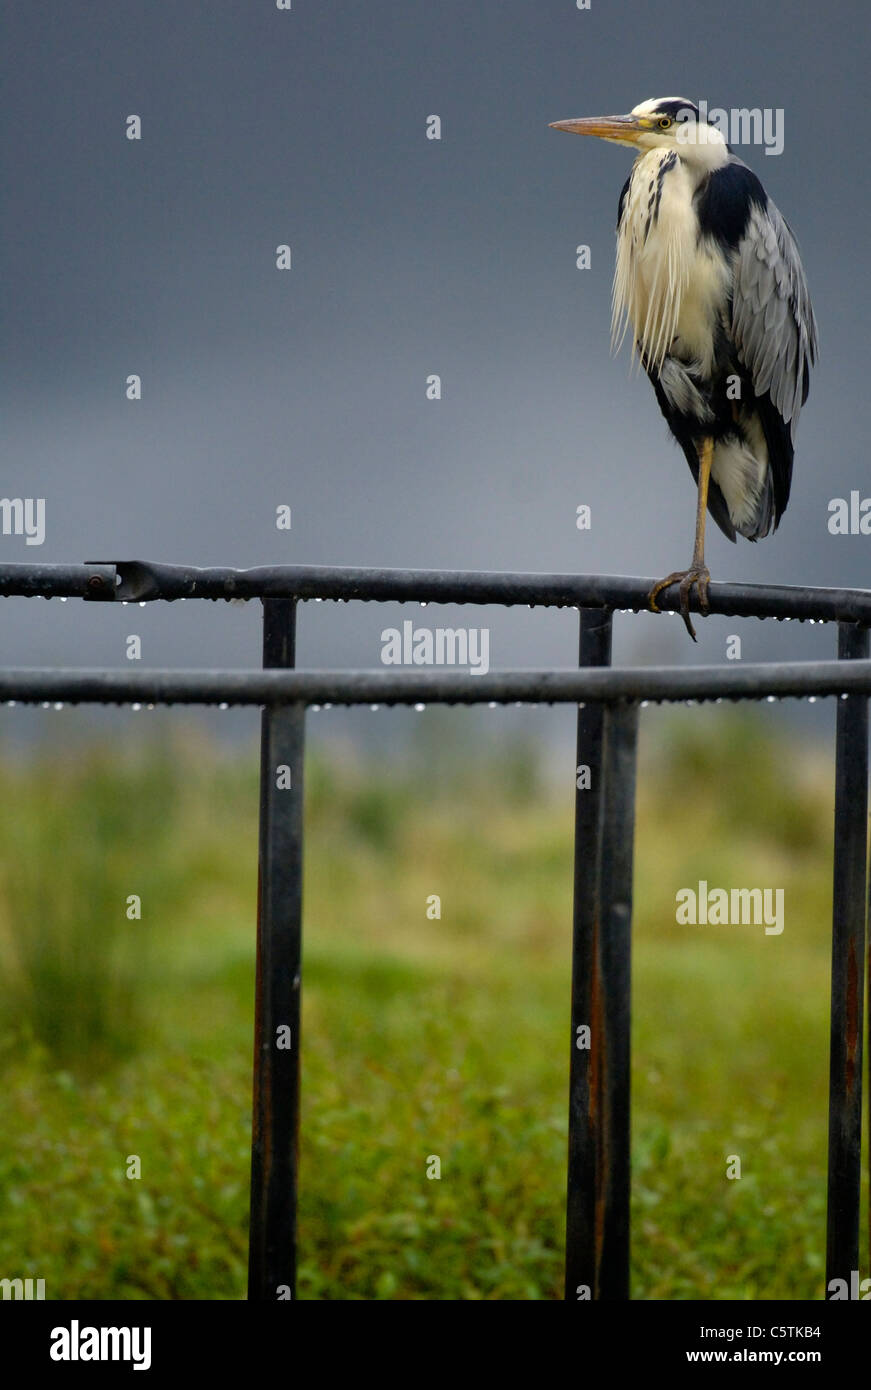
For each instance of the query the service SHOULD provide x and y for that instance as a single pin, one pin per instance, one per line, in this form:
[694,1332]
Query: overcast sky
[410,256]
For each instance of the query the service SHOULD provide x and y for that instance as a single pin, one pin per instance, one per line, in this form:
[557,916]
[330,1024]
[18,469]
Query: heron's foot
[698,576]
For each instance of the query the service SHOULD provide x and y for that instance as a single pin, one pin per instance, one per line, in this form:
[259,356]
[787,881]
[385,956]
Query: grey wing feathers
[773,325]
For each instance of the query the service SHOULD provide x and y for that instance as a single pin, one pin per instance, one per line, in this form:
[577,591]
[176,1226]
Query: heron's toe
[659,587]
[698,576]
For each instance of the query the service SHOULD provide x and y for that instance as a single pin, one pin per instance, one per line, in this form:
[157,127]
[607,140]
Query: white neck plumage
[657,245]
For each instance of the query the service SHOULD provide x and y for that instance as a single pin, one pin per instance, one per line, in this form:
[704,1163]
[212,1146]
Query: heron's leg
[698,573]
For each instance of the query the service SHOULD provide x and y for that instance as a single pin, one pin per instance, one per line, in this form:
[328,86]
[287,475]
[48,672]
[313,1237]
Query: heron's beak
[621,129]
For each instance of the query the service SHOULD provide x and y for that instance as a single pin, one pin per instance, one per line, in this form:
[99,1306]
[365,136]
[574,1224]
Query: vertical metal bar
[849,905]
[275,1130]
[581,1262]
[612,1012]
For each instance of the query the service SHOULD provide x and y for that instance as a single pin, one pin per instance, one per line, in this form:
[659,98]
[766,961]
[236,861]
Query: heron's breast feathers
[669,283]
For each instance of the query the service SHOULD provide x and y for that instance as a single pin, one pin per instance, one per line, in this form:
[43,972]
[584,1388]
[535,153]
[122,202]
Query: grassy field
[420,1037]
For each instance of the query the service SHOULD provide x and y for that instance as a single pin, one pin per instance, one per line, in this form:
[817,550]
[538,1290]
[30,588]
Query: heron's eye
[664,122]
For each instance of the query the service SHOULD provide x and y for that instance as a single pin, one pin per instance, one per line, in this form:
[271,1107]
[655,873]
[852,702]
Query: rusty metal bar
[275,1129]
[849,907]
[583,1173]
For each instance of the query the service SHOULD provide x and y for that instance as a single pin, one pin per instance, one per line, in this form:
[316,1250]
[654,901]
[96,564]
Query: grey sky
[409,257]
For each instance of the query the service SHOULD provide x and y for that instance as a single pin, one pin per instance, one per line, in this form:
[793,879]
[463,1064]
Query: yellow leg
[697,575]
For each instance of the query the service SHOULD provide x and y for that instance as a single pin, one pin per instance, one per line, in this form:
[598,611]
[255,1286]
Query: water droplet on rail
[420,708]
[374,707]
[645,704]
[811,699]
[769,699]
[59,704]
[136,708]
[423,603]
[315,709]
[63,598]
[222,705]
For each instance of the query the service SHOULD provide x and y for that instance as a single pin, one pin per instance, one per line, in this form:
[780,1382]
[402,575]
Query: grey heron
[709,277]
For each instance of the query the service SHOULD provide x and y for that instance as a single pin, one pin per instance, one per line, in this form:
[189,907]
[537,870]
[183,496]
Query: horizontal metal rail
[139,581]
[59,581]
[605,685]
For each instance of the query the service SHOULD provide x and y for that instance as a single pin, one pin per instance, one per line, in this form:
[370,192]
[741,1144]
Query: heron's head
[664,123]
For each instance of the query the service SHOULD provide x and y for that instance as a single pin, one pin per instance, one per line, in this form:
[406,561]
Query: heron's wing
[770,320]
[773,326]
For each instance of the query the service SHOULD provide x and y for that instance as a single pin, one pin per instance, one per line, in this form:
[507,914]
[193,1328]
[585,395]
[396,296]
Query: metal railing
[598,1187]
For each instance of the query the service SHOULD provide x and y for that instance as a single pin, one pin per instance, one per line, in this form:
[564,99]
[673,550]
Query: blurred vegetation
[420,1037]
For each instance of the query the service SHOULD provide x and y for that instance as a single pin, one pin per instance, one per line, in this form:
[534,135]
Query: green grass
[421,1037]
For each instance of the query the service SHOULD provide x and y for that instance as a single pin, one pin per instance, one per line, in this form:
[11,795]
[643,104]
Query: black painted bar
[22,580]
[136,581]
[612,1018]
[141,580]
[848,970]
[744,682]
[584,1176]
[275,1129]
